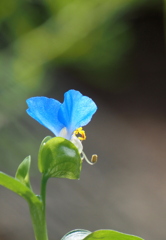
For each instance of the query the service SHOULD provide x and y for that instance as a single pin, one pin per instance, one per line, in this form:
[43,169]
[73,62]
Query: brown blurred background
[112,51]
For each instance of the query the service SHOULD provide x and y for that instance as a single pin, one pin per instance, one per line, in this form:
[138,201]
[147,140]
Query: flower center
[80,134]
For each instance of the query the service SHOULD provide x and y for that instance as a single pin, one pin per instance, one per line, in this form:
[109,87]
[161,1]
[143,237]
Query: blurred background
[113,52]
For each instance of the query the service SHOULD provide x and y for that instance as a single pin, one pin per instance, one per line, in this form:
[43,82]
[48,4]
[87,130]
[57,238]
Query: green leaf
[18,187]
[59,158]
[77,234]
[22,173]
[110,235]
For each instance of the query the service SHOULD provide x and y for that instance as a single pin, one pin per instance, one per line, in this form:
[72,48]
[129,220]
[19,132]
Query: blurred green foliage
[91,37]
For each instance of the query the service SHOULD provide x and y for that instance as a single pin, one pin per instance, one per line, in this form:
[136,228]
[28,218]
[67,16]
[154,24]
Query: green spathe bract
[59,158]
[80,234]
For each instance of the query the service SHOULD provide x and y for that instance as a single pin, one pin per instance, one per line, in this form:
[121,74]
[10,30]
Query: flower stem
[38,215]
[43,192]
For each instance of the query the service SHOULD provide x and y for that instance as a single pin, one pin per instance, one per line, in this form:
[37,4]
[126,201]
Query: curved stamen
[93,158]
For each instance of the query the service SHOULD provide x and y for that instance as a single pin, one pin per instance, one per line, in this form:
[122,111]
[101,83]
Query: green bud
[22,173]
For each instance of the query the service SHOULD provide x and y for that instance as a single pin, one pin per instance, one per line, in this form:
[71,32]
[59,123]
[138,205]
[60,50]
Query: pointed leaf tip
[111,235]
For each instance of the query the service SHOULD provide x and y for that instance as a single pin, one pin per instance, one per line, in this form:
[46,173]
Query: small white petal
[77,143]
[63,133]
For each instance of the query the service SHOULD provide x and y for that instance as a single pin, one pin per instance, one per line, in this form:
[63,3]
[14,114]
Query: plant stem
[43,192]
[38,214]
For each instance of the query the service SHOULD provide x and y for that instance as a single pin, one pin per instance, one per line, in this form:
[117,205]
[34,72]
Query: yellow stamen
[81,133]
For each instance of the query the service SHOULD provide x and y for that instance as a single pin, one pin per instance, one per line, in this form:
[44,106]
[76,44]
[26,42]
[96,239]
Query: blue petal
[76,110]
[45,111]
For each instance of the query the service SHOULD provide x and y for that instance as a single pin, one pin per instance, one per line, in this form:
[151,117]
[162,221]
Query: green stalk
[43,192]
[38,215]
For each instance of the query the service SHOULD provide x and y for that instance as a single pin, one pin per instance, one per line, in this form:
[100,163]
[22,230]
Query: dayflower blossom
[64,119]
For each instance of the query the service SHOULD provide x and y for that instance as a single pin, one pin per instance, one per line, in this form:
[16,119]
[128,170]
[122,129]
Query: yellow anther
[94,158]
[81,133]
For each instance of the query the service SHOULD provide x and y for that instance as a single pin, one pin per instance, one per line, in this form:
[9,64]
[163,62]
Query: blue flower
[63,118]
